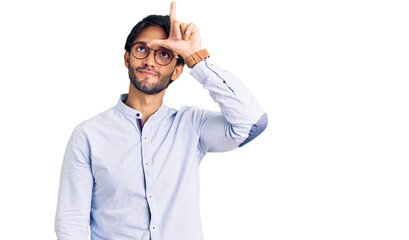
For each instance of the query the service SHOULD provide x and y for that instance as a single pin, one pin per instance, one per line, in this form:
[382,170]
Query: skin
[184,39]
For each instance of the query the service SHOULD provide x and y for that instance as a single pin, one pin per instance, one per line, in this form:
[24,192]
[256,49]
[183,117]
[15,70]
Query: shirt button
[145,138]
[153,227]
[146,163]
[138,114]
[150,196]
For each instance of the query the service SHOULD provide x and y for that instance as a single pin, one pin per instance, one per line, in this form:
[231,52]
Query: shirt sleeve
[241,118]
[76,182]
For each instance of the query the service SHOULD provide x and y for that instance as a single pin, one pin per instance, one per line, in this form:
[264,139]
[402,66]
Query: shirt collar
[130,112]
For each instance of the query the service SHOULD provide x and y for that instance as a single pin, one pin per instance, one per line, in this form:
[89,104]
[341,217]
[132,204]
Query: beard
[149,88]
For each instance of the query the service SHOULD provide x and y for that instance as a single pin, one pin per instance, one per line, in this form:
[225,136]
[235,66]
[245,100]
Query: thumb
[159,42]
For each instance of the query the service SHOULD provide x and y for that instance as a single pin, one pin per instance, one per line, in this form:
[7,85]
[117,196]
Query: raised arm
[241,118]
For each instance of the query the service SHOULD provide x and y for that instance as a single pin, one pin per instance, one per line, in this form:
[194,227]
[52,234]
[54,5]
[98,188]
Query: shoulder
[99,120]
[196,116]
[193,112]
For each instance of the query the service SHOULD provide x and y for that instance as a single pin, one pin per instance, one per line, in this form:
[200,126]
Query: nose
[150,59]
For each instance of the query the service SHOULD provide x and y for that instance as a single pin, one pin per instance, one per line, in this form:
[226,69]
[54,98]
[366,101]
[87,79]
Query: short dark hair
[151,20]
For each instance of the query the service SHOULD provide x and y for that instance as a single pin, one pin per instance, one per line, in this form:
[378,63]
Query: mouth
[147,73]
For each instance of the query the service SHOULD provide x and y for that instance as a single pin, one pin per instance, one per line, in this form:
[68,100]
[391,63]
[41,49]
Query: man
[132,172]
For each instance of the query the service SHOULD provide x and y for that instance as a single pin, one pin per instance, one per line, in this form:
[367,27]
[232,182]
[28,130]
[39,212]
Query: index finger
[172,14]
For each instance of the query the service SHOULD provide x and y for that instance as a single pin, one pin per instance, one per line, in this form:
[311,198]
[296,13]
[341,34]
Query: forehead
[151,33]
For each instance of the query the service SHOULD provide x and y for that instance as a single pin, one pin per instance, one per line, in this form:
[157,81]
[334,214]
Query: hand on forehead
[183,39]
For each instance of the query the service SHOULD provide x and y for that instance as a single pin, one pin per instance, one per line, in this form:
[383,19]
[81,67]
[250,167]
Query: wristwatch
[193,59]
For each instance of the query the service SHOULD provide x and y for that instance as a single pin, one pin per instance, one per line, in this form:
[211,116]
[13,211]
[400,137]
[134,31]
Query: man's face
[147,75]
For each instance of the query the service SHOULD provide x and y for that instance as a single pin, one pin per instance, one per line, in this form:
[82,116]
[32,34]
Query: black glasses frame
[154,53]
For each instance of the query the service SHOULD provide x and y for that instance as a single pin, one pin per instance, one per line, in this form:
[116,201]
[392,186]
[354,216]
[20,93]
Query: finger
[182,28]
[172,14]
[191,28]
[159,43]
[165,43]
[175,30]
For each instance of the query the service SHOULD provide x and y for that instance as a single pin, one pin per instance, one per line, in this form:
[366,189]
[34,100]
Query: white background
[332,76]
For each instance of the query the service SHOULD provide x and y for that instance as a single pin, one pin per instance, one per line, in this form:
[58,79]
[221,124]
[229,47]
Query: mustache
[148,69]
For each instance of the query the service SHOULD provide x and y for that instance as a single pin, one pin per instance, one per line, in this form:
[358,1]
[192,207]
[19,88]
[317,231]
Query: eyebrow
[140,42]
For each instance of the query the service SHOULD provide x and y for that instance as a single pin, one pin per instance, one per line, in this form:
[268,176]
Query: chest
[124,159]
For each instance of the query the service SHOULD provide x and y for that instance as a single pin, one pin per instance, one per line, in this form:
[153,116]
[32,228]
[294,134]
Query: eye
[140,48]
[164,54]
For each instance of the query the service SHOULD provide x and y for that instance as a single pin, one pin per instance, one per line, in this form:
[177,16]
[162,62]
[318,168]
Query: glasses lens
[163,56]
[140,51]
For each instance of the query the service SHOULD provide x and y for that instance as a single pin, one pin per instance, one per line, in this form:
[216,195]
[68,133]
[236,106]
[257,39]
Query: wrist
[196,57]
[189,53]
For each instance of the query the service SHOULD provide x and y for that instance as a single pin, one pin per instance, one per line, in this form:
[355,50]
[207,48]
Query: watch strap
[198,56]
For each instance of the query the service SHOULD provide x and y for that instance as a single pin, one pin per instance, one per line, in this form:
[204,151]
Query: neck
[144,103]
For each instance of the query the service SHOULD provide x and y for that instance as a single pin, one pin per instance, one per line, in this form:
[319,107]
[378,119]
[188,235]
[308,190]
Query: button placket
[149,182]
[139,121]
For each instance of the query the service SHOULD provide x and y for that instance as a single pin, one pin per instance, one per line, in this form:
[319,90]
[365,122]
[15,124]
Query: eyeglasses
[162,56]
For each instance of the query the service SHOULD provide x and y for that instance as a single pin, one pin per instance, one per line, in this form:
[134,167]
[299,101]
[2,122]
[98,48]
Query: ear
[176,73]
[126,59]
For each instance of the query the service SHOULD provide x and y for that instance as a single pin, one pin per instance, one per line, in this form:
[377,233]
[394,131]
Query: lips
[147,73]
